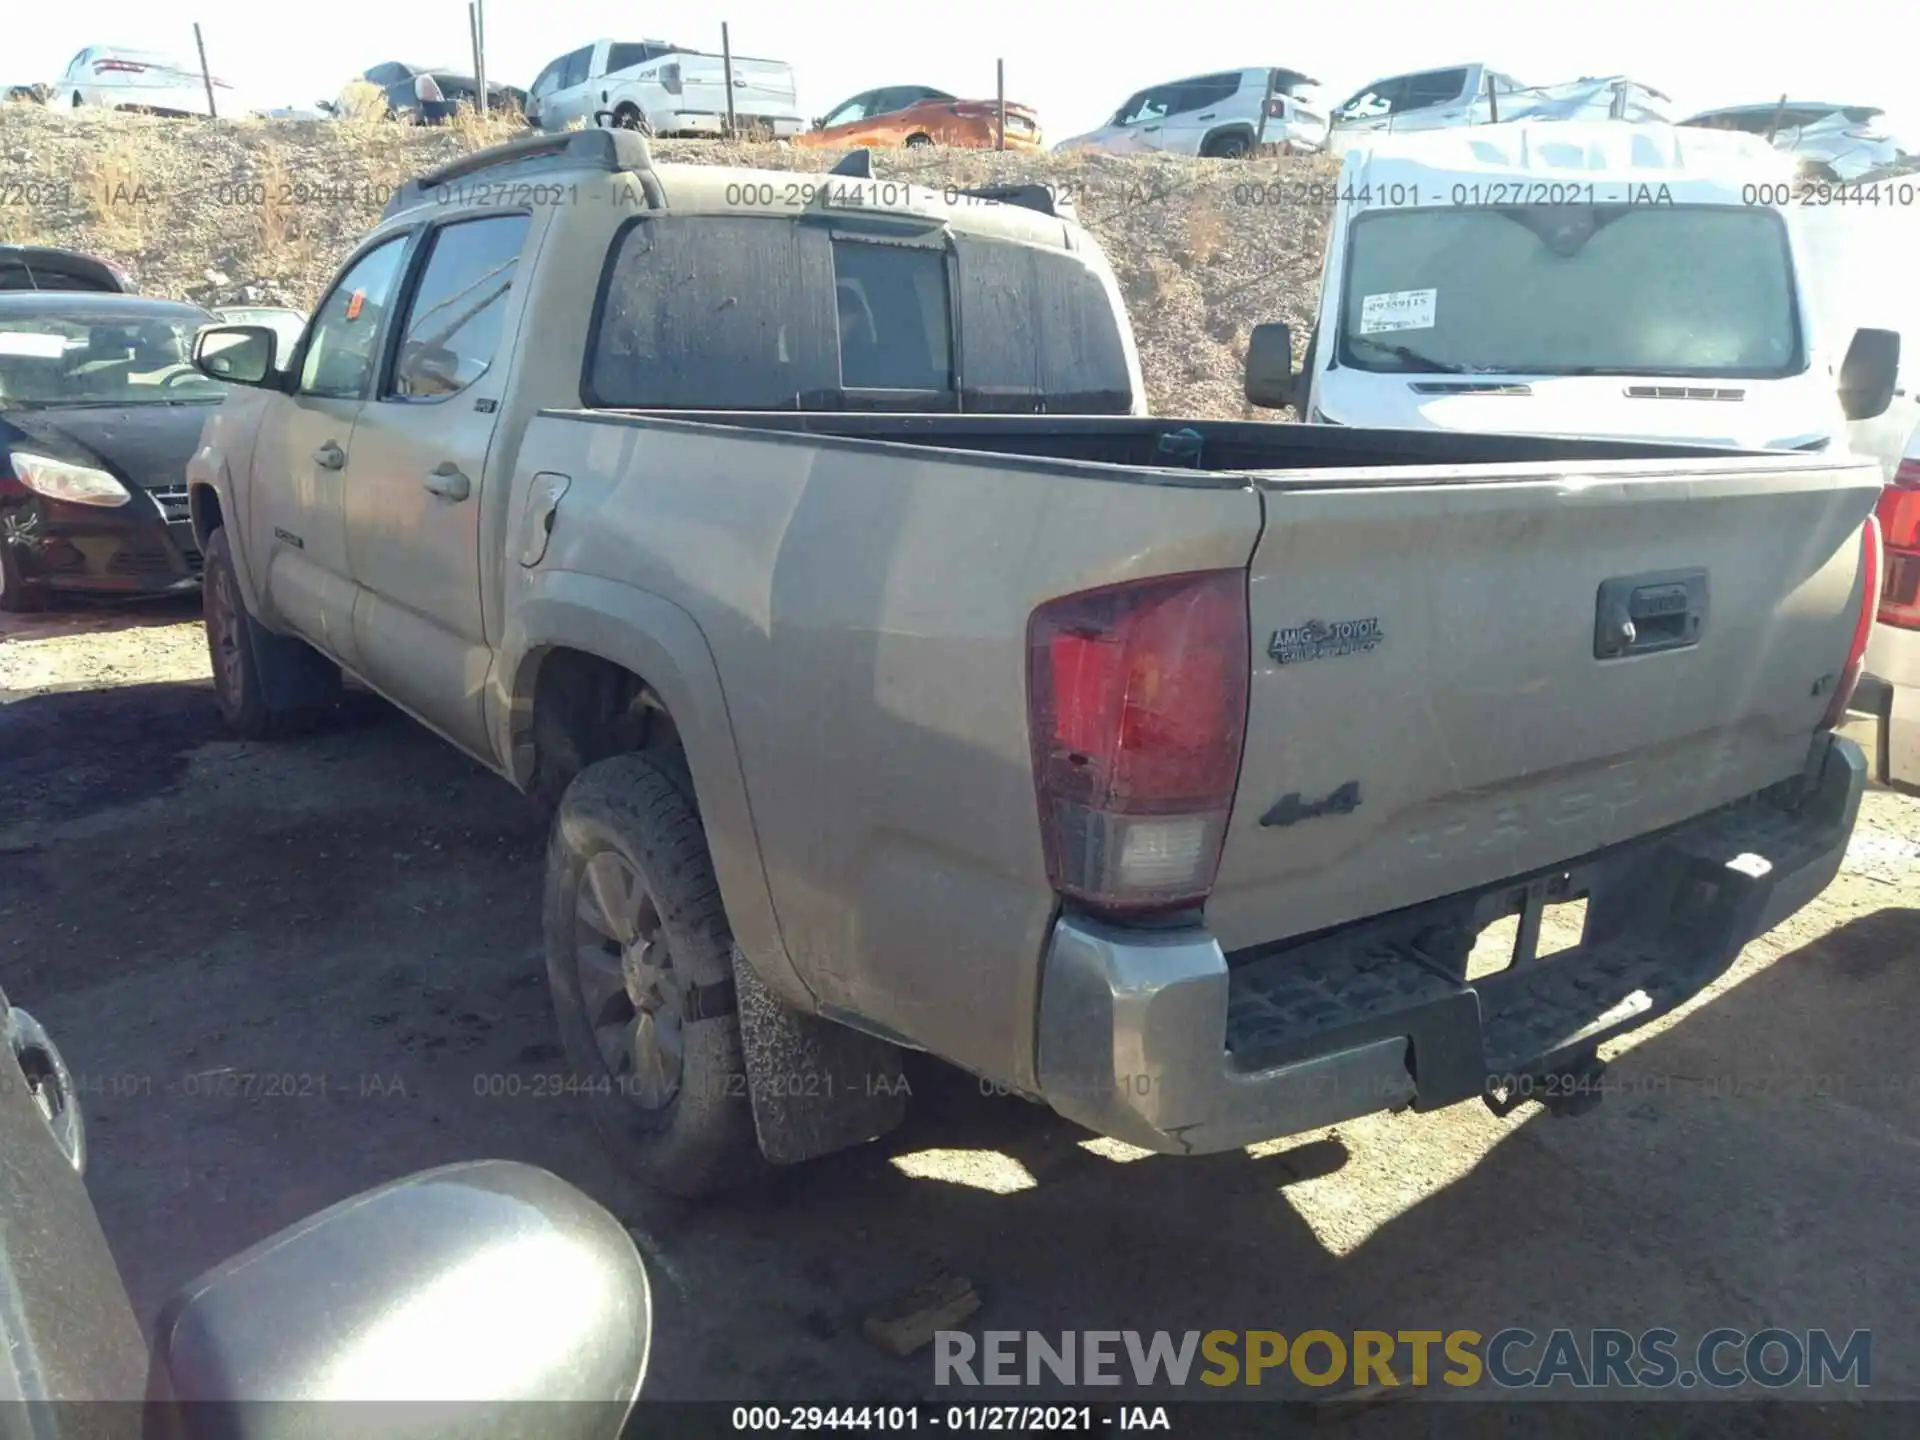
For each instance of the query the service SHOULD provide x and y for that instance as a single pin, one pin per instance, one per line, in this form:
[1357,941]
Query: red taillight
[1862,625]
[1276,108]
[108,67]
[1137,699]
[1899,516]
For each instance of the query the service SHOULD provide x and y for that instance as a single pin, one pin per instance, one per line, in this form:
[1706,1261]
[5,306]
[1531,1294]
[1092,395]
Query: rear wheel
[919,142]
[640,962]
[628,117]
[266,685]
[1226,147]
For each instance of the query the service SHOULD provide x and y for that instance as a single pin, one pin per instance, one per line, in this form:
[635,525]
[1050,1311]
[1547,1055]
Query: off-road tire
[702,1140]
[267,686]
[1232,146]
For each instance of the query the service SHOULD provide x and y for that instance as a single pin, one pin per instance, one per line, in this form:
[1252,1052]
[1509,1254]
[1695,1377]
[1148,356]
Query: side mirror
[238,354]
[819,122]
[477,1286]
[1269,382]
[1869,373]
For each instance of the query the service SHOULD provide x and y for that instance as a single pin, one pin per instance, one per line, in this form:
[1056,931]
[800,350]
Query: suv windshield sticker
[1397,310]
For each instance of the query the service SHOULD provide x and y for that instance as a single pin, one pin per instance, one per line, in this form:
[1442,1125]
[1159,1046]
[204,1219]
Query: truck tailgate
[1428,713]
[760,87]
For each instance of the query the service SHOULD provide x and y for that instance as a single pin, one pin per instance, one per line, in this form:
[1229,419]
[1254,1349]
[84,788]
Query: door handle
[446,481]
[330,457]
[1208,116]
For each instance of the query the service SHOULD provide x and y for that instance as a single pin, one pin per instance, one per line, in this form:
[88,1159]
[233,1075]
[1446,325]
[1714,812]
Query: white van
[1576,277]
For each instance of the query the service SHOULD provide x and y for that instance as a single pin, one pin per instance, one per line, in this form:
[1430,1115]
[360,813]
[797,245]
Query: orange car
[919,115]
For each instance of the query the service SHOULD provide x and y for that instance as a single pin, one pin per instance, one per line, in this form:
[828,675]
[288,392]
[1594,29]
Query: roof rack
[609,150]
[1043,198]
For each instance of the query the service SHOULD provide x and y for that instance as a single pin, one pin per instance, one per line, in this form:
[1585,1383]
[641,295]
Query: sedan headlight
[77,484]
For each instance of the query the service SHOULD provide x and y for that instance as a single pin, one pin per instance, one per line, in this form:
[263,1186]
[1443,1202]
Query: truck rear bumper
[1160,1039]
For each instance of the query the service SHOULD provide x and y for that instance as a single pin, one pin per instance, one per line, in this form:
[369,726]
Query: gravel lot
[358,912]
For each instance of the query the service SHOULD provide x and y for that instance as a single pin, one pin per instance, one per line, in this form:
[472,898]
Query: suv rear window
[762,313]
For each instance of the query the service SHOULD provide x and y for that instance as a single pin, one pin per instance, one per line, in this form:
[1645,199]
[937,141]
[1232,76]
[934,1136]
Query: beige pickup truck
[897,682]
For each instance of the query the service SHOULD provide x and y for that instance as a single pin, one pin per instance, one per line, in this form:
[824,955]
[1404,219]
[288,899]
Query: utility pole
[1000,90]
[207,78]
[480,51]
[726,63]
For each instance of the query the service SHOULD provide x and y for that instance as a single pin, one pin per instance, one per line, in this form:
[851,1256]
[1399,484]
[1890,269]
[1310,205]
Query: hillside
[262,212]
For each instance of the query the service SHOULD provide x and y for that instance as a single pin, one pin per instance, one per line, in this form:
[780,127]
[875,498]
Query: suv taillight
[1137,703]
[1862,625]
[1276,108]
[1899,515]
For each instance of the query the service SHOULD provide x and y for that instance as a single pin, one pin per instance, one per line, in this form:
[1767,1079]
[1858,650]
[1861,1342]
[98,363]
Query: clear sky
[1075,60]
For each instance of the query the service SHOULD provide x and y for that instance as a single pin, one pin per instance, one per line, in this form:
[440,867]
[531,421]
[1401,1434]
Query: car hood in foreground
[146,445]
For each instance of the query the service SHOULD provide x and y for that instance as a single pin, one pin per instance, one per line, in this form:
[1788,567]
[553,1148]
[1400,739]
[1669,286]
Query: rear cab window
[744,312]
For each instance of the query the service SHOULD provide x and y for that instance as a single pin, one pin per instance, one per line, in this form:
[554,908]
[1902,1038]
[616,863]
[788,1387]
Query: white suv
[1224,115]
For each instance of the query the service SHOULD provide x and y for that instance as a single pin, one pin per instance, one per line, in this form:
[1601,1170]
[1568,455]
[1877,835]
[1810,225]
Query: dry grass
[477,131]
[115,186]
[362,100]
[1206,231]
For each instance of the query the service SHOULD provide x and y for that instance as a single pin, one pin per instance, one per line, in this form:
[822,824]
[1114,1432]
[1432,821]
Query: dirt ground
[357,913]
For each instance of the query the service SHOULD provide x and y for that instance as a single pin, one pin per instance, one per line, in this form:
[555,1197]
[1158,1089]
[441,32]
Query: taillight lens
[1276,108]
[120,67]
[1899,516]
[1862,625]
[427,90]
[1137,699]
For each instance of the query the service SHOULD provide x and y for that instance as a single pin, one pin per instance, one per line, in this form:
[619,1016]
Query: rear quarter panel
[866,608]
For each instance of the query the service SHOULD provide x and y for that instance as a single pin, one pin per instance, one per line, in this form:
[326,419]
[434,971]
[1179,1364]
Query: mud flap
[816,1086]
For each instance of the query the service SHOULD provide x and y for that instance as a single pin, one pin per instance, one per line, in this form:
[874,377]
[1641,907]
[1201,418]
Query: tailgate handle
[1642,614]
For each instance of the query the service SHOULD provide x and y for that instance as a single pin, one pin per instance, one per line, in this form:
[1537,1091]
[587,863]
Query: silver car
[1831,142]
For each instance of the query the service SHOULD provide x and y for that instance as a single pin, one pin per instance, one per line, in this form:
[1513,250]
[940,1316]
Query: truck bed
[1432,706]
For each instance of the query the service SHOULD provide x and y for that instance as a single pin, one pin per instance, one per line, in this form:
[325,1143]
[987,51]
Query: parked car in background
[114,78]
[1657,303]
[29,94]
[1829,142]
[916,115]
[42,267]
[287,325]
[1476,94]
[426,94]
[1227,114]
[661,88]
[100,407]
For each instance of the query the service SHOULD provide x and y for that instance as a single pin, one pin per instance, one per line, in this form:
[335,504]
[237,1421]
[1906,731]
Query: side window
[452,327]
[852,110]
[899,97]
[546,82]
[1037,334]
[1204,93]
[895,316]
[716,312]
[1434,87]
[341,351]
[619,57]
[575,71]
[1376,100]
[1147,106]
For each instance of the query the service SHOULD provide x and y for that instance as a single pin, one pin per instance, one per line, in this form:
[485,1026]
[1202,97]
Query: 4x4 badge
[1321,639]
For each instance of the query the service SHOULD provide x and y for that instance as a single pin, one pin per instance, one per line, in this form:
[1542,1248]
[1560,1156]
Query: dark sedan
[100,409]
[426,95]
[41,267]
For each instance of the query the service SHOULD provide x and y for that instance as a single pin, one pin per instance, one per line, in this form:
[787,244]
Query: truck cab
[1581,277]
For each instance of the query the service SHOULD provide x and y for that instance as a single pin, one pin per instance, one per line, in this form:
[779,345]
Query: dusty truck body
[1160,771]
